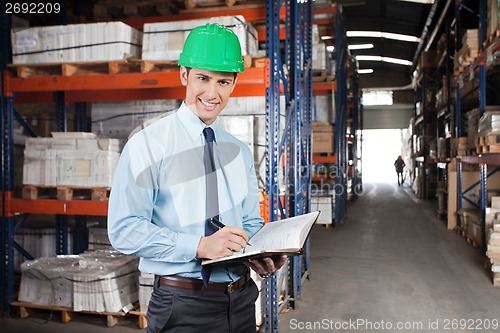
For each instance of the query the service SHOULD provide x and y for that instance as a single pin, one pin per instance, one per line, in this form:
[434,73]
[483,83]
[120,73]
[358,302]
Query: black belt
[197,285]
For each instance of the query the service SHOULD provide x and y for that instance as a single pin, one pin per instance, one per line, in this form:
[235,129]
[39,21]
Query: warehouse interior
[333,92]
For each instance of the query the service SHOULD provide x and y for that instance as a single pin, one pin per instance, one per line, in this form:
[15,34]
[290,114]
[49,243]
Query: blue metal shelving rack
[341,112]
[293,142]
[485,160]
[7,232]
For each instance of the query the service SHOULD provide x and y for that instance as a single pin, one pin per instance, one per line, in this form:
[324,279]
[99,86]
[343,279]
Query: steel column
[272,145]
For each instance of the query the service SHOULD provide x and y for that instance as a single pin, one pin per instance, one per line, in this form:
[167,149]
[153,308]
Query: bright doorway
[381,147]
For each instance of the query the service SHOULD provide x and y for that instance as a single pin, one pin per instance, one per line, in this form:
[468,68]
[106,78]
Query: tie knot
[209,134]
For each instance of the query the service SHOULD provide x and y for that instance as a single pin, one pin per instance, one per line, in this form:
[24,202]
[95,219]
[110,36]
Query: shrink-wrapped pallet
[163,41]
[92,42]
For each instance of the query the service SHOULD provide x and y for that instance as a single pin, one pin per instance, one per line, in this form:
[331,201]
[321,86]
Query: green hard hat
[212,47]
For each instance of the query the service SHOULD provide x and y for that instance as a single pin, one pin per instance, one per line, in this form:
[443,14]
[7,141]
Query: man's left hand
[266,266]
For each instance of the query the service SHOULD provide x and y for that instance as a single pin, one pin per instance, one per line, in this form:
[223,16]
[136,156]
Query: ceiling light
[360,46]
[326,37]
[384,59]
[365,71]
[380,34]
[330,48]
[420,1]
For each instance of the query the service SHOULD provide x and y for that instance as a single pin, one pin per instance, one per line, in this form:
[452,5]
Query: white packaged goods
[79,162]
[245,118]
[118,119]
[326,205]
[319,56]
[323,109]
[76,43]
[93,281]
[38,242]
[98,239]
[163,41]
[146,282]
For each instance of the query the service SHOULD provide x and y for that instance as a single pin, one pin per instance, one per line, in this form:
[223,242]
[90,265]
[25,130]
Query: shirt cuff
[186,247]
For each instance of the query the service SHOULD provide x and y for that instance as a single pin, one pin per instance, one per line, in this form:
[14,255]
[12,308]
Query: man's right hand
[222,243]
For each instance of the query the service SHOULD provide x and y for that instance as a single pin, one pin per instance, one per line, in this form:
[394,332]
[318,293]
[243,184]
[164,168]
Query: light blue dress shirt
[157,202]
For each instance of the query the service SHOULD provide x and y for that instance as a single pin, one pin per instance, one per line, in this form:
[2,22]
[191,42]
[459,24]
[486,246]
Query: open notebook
[275,238]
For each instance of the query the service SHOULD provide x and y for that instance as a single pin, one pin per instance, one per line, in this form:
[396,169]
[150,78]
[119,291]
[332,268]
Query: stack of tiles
[107,282]
[163,41]
[76,43]
[119,119]
[70,159]
[48,280]
[98,281]
[98,239]
[146,282]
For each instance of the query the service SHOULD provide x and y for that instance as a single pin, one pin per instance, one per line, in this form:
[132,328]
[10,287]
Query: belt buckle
[230,287]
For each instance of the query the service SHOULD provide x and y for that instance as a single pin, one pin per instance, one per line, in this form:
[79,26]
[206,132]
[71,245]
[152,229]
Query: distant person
[400,165]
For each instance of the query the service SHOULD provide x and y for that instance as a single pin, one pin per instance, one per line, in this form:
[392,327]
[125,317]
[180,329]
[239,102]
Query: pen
[221,225]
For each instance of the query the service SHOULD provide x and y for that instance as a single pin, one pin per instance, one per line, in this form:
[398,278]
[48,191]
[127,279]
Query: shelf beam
[60,207]
[126,81]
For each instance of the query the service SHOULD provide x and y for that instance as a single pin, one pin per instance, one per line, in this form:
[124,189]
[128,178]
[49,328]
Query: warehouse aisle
[393,262]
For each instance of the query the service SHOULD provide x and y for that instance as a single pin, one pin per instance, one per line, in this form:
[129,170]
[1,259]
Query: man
[174,180]
[400,165]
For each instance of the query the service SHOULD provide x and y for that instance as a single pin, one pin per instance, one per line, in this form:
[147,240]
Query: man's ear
[183,73]
[234,84]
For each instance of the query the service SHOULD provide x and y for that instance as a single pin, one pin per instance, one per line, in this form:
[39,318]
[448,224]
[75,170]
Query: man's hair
[235,74]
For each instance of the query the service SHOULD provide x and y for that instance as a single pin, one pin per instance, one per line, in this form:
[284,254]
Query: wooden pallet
[31,192]
[77,68]
[321,75]
[27,309]
[110,67]
[191,4]
[112,9]
[142,321]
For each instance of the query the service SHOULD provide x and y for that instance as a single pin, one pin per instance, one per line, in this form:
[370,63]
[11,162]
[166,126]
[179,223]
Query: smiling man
[175,178]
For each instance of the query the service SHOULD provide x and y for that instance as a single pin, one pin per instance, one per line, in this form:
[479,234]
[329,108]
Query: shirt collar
[193,125]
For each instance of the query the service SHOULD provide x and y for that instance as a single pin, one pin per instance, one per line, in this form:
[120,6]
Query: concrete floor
[392,263]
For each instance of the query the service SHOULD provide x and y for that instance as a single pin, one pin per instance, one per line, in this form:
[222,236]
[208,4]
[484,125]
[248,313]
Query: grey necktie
[212,197]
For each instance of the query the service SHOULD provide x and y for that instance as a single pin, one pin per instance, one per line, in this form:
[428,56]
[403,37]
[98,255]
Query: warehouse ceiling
[418,18]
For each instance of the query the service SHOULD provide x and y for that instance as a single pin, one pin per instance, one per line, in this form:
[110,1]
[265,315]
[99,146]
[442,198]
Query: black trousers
[179,310]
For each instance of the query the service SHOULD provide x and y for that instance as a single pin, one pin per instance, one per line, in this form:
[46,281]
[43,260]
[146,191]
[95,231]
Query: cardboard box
[322,138]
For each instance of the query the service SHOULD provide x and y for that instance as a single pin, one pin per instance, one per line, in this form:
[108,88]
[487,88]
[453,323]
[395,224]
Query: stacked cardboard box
[322,140]
[469,50]
[163,41]
[70,159]
[493,16]
[493,239]
[99,281]
[76,43]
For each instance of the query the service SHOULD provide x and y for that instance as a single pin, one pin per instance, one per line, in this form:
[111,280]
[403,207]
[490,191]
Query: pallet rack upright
[341,114]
